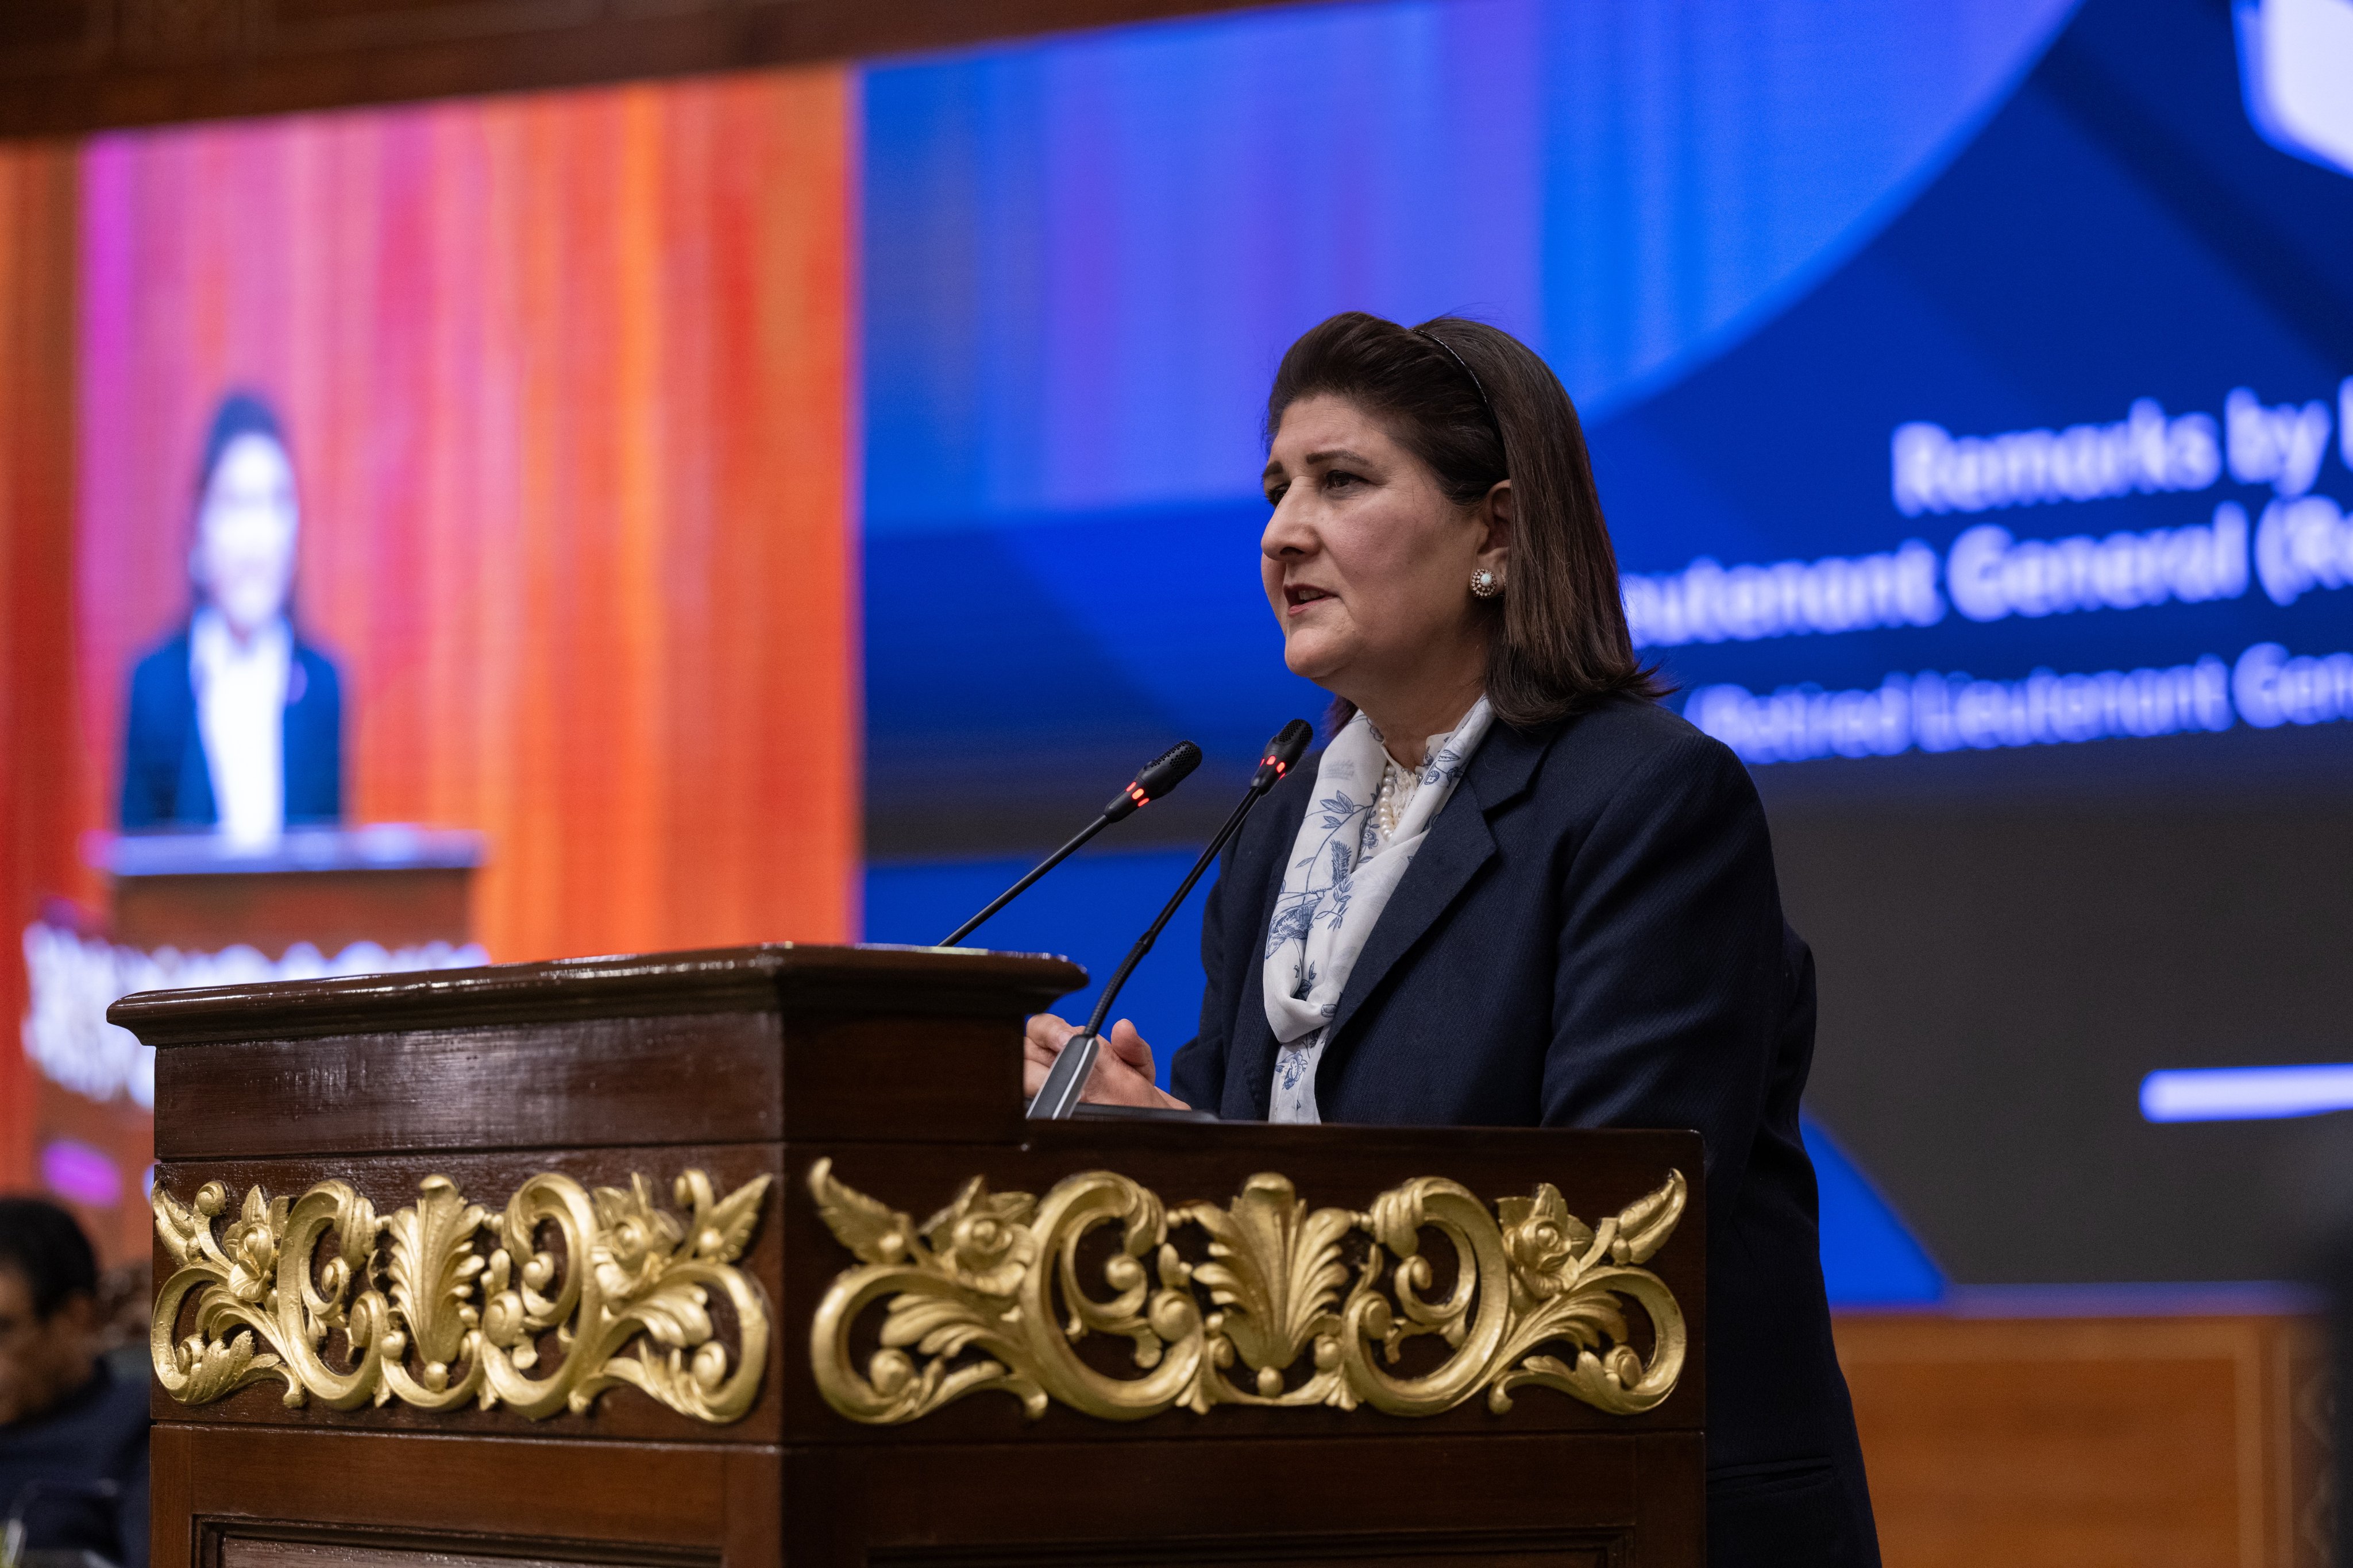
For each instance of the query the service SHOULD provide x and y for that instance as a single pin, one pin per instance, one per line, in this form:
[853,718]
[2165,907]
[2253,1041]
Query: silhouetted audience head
[73,1430]
[49,1307]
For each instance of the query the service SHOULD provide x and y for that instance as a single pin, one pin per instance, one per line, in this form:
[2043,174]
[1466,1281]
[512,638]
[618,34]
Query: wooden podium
[388,883]
[749,1257]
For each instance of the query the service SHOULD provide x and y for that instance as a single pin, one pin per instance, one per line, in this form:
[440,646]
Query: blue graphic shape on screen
[2296,57]
[2246,1094]
[1870,1258]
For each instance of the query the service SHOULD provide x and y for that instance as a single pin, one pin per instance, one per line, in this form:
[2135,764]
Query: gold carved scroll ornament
[987,1295]
[445,1302]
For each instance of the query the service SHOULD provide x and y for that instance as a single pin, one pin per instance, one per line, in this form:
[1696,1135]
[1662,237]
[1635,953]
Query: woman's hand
[1123,1073]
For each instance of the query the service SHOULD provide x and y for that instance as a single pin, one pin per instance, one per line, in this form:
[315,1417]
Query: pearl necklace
[1396,792]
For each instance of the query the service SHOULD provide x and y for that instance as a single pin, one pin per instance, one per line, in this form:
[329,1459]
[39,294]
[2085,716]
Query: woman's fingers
[1122,1072]
[1041,1042]
[1046,1036]
[1128,1046]
[1116,1082]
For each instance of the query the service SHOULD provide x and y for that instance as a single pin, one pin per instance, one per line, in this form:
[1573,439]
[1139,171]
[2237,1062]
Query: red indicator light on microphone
[1288,746]
[1136,794]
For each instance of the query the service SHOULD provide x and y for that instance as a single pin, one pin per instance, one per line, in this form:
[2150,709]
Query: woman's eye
[1339,478]
[1274,494]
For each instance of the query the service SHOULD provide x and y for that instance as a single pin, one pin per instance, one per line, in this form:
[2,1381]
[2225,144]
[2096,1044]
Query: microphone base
[1057,1097]
[1088,1110]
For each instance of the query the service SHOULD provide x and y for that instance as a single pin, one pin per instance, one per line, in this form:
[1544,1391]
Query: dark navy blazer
[1592,936]
[166,781]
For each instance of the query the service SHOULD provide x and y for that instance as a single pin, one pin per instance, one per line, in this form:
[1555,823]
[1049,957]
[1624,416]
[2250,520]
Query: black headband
[1476,385]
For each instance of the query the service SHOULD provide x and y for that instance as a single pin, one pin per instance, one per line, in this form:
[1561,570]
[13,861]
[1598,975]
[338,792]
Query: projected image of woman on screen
[235,723]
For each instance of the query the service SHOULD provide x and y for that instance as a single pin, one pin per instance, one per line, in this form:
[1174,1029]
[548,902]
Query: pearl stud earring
[1486,584]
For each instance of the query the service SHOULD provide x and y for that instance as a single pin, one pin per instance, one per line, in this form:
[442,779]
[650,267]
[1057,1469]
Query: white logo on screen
[2295,64]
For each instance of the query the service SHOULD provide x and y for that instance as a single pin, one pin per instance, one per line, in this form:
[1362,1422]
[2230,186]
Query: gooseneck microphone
[1059,1094]
[1155,779]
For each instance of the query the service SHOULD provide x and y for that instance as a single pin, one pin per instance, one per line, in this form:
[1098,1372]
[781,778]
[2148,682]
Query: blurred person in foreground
[73,1434]
[235,722]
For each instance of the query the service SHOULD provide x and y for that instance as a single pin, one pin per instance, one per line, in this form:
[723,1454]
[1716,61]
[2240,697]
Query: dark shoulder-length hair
[1479,407]
[239,413]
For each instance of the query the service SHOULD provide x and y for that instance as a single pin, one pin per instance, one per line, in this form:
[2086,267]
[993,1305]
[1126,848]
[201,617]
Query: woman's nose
[1287,531]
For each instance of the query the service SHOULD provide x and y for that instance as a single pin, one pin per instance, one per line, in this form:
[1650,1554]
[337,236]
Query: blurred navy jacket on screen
[167,779]
[1592,936]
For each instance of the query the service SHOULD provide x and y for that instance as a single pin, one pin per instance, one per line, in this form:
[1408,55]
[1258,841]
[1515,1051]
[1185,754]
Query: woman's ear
[1496,524]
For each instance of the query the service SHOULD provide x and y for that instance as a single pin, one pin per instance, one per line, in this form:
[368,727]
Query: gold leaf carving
[445,1302]
[988,1294]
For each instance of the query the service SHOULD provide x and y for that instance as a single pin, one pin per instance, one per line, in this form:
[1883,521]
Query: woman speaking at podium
[1516,891]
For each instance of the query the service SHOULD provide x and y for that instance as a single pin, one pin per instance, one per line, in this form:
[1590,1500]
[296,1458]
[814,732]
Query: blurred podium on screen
[395,887]
[193,910]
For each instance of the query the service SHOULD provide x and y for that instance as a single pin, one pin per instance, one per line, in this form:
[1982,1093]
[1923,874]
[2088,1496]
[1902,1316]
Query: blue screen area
[1960,375]
[1951,386]
[1085,256]
[1089,910]
[2060,457]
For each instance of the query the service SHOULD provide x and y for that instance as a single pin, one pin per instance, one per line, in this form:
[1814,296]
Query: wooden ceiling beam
[75,66]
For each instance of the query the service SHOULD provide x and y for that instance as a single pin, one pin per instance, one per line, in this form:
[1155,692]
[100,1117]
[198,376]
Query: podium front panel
[749,1257]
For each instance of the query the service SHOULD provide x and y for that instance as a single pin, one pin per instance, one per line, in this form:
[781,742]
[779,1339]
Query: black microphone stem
[1015,891]
[1153,780]
[1168,912]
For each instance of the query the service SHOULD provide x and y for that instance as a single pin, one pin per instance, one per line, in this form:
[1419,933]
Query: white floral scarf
[1341,874]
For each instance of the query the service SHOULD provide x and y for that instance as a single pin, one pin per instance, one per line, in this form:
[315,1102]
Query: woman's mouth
[1299,596]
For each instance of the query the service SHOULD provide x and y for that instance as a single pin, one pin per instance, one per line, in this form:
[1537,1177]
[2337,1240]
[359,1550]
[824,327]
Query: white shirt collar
[214,650]
[241,692]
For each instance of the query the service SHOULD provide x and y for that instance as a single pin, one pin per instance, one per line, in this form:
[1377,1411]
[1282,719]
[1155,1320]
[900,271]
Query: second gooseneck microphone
[1155,779]
[1059,1094]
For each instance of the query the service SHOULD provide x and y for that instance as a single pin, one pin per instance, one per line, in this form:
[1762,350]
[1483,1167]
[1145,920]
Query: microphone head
[1156,778]
[1282,754]
[1166,770]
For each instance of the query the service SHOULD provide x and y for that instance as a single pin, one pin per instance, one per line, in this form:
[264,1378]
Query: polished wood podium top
[653,1207]
[771,976]
[727,1044]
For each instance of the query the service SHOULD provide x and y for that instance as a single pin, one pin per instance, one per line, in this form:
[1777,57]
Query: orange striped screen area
[563,379]
[565,384]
